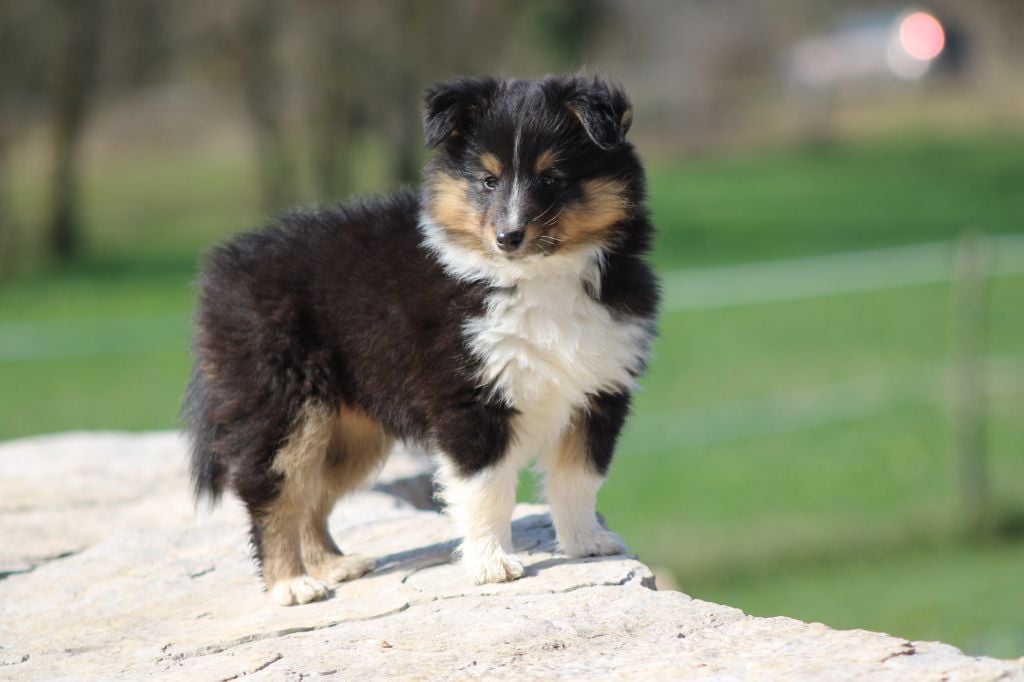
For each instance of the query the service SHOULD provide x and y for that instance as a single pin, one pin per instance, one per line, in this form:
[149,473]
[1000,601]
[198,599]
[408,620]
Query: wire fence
[823,276]
[704,288]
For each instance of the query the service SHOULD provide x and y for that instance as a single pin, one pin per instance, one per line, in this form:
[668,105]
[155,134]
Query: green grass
[919,593]
[893,190]
[92,352]
[787,458]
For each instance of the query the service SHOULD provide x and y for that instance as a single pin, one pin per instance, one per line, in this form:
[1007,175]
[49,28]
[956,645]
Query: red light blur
[921,35]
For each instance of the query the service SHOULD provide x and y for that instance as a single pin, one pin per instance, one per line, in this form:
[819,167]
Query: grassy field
[787,458]
[899,189]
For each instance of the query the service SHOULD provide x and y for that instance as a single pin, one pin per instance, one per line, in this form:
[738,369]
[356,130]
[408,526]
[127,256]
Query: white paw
[338,569]
[298,590]
[497,567]
[598,542]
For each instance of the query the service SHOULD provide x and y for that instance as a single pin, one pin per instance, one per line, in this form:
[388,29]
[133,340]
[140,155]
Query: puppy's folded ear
[602,109]
[450,107]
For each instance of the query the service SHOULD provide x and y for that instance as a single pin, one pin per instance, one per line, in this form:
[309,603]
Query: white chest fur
[546,345]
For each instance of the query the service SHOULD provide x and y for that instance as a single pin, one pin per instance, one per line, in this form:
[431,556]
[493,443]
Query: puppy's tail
[208,470]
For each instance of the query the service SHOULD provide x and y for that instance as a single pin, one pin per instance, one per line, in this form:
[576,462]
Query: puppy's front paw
[298,590]
[496,567]
[599,542]
[337,569]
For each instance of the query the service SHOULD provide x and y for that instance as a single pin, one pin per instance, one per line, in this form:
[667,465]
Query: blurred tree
[338,36]
[414,61]
[22,93]
[435,41]
[365,68]
[73,87]
[250,31]
[8,229]
[565,30]
[138,48]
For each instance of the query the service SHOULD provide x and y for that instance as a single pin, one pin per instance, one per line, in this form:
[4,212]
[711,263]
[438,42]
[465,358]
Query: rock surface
[105,572]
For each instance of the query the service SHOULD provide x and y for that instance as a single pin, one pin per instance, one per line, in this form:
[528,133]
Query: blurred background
[832,425]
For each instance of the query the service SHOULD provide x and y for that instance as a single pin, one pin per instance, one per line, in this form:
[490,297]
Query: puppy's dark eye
[490,182]
[548,180]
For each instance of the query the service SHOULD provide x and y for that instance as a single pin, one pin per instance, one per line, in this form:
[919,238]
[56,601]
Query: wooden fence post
[970,321]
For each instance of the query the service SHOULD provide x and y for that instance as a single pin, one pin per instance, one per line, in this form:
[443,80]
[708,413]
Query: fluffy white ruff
[543,340]
[546,345]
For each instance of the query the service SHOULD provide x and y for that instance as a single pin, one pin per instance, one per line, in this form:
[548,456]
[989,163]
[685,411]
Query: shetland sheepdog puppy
[499,316]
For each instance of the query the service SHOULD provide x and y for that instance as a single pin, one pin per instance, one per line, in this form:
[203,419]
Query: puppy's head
[526,169]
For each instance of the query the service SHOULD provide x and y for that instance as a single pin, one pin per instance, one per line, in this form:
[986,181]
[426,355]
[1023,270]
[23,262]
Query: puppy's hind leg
[281,563]
[278,523]
[357,447]
[321,555]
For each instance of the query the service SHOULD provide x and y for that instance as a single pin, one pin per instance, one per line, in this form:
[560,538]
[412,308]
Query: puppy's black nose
[510,239]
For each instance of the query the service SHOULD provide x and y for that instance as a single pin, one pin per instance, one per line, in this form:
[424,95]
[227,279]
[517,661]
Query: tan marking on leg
[357,447]
[317,545]
[545,161]
[571,486]
[491,164]
[300,463]
[321,556]
[571,453]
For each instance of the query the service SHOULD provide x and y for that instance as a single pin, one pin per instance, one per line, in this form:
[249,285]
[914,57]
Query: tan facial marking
[589,219]
[491,164]
[452,209]
[545,161]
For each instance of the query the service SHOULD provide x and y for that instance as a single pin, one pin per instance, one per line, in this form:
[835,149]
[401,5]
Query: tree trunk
[414,58]
[261,86]
[74,85]
[970,302]
[8,233]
